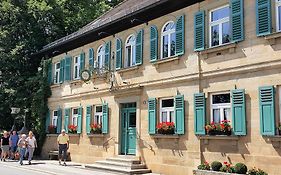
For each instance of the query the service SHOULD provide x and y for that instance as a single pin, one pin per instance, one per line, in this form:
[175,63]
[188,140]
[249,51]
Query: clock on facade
[85,75]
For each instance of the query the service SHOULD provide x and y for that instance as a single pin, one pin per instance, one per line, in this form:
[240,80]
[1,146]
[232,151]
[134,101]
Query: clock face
[85,75]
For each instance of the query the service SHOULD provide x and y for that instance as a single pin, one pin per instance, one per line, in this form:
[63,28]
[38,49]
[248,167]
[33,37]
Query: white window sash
[220,106]
[277,4]
[54,119]
[169,34]
[131,45]
[168,110]
[76,64]
[57,74]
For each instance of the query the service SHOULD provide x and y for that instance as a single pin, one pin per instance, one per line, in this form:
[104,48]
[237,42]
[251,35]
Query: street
[45,168]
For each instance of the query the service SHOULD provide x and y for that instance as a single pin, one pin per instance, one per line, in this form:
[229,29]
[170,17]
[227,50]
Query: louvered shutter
[59,121]
[91,57]
[79,120]
[139,47]
[180,36]
[238,111]
[88,119]
[199,113]
[153,43]
[267,110]
[237,20]
[199,31]
[48,120]
[107,55]
[66,119]
[152,115]
[105,121]
[118,63]
[179,114]
[82,61]
[67,67]
[50,72]
[263,17]
[62,64]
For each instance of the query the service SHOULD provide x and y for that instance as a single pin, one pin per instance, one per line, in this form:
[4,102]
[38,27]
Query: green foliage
[227,169]
[216,166]
[204,166]
[255,171]
[241,168]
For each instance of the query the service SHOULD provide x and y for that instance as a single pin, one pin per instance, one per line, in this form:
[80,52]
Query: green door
[128,140]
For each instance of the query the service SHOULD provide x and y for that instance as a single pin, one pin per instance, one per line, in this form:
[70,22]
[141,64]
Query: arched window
[130,59]
[168,40]
[100,57]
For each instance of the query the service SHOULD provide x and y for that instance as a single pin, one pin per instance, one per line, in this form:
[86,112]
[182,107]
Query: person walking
[32,144]
[22,144]
[14,138]
[5,146]
[63,145]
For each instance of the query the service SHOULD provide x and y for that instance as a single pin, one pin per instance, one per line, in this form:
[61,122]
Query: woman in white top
[32,144]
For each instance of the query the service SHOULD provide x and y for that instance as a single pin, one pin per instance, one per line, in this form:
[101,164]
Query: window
[167,113]
[130,59]
[98,115]
[74,120]
[168,40]
[219,26]
[55,118]
[76,68]
[100,57]
[278,15]
[57,73]
[220,107]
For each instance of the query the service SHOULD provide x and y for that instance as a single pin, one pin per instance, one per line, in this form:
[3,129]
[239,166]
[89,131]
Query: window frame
[220,106]
[74,117]
[101,55]
[78,67]
[57,73]
[277,4]
[55,118]
[219,23]
[99,114]
[166,109]
[133,52]
[169,33]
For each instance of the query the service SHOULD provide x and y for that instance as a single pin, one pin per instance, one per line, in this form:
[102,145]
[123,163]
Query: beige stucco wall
[249,64]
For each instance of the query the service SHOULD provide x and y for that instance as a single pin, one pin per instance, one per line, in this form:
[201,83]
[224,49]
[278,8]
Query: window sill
[73,135]
[271,38]
[52,135]
[233,139]
[229,47]
[127,69]
[55,85]
[74,82]
[163,136]
[275,140]
[95,135]
[166,60]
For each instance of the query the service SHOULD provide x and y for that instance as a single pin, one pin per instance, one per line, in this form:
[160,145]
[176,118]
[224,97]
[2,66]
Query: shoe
[21,163]
[59,162]
[4,160]
[29,162]
[64,164]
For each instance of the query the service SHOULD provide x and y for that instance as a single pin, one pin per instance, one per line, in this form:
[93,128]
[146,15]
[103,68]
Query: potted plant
[167,128]
[227,168]
[52,129]
[96,128]
[204,166]
[225,127]
[72,129]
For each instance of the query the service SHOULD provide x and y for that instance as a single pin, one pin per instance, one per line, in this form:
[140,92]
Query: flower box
[207,172]
[166,128]
[95,135]
[222,128]
[52,129]
[72,129]
[96,128]
[73,135]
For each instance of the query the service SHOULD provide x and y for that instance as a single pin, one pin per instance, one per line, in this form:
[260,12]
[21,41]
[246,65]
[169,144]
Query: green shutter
[50,72]
[88,119]
[237,20]
[152,115]
[180,36]
[263,17]
[267,111]
[79,120]
[82,61]
[67,68]
[179,114]
[91,57]
[48,120]
[199,31]
[62,63]
[238,109]
[66,119]
[59,121]
[107,55]
[118,63]
[139,47]
[199,113]
[153,43]
[105,118]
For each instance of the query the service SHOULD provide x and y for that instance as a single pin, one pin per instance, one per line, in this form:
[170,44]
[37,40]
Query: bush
[204,166]
[241,168]
[255,171]
[227,168]
[216,166]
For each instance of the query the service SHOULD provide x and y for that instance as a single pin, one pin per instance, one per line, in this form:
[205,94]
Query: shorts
[5,148]
[14,149]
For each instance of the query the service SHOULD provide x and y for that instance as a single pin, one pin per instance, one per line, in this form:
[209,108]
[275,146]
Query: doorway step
[121,165]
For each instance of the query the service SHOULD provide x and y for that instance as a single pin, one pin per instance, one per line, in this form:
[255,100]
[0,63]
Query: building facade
[197,63]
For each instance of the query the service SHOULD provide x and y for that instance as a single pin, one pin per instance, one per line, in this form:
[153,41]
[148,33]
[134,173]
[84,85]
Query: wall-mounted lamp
[95,88]
[138,20]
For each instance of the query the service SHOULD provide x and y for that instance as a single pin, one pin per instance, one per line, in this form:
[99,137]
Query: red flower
[225,163]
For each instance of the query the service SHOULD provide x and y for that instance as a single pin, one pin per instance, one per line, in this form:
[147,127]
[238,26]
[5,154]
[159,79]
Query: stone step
[121,164]
[123,159]
[120,170]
